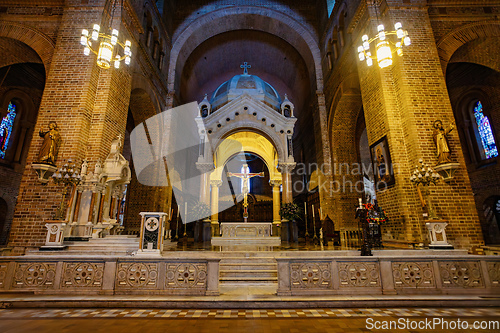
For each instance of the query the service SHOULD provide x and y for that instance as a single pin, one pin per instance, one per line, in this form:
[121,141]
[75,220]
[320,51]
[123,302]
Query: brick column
[90,108]
[323,156]
[401,102]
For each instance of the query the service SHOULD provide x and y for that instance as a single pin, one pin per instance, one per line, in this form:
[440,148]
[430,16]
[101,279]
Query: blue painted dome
[245,84]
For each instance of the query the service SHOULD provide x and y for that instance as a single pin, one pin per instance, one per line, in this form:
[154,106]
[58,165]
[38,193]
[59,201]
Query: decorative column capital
[275,182]
[205,167]
[216,183]
[286,167]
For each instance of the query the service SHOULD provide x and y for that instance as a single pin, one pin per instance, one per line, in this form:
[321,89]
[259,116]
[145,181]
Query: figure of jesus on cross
[245,177]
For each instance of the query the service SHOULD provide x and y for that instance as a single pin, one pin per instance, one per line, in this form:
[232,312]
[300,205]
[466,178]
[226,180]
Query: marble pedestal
[437,235]
[240,233]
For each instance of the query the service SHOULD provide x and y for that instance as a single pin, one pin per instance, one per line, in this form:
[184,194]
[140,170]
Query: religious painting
[382,164]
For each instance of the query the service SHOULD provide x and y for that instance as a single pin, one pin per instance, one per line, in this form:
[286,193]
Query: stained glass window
[485,132]
[6,129]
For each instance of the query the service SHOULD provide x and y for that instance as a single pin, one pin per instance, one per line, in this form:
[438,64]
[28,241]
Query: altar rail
[110,276]
[475,275]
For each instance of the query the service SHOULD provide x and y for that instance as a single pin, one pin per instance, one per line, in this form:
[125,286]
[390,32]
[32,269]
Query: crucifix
[245,67]
[245,177]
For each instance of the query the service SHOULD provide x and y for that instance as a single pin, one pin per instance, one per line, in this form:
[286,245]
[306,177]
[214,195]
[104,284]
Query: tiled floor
[248,313]
[230,321]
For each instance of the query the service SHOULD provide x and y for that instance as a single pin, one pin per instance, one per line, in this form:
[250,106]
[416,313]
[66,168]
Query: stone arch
[225,151]
[251,127]
[38,41]
[343,120]
[453,40]
[296,34]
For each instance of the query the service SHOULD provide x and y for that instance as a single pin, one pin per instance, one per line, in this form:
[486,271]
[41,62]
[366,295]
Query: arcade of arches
[306,103]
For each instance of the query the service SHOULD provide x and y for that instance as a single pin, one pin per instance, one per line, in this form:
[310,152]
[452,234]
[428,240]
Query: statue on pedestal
[441,141]
[50,146]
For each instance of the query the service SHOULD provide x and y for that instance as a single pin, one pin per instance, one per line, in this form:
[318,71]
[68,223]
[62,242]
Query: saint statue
[441,141]
[50,146]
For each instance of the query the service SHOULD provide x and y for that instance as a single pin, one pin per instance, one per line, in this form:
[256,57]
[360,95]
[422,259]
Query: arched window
[330,4]
[6,128]
[484,134]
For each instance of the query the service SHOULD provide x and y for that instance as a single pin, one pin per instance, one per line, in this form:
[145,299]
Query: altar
[241,233]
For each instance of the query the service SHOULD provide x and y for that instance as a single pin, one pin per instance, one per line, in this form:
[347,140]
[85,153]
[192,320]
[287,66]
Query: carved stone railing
[477,275]
[163,276]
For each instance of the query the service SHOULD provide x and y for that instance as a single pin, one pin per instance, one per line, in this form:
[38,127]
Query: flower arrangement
[290,211]
[375,214]
[199,211]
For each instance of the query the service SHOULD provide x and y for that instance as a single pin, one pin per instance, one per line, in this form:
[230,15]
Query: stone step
[245,274]
[245,266]
[247,280]
[248,270]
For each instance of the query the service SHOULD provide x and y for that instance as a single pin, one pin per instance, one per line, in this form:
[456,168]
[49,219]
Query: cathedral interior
[331,108]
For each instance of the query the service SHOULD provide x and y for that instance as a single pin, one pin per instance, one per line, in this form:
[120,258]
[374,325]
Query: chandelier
[385,45]
[107,47]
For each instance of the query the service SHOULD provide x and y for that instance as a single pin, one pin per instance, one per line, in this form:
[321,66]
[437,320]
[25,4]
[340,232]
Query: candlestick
[305,217]
[185,216]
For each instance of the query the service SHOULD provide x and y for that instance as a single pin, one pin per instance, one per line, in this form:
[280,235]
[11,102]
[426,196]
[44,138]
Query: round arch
[262,130]
[38,41]
[453,40]
[289,29]
[245,141]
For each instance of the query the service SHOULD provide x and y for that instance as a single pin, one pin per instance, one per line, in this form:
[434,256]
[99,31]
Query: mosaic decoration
[186,275]
[29,275]
[134,275]
[311,275]
[358,274]
[461,274]
[413,274]
[84,275]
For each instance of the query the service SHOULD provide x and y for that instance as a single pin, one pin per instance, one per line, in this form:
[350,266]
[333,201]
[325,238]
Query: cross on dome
[245,67]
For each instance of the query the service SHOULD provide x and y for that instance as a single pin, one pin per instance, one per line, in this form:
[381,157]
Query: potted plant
[198,213]
[290,213]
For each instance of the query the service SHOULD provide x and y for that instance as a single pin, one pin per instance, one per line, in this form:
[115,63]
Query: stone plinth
[235,233]
[151,237]
[55,234]
[437,235]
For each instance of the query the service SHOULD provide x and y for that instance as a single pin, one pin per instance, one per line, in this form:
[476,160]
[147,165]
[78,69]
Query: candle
[178,210]
[320,213]
[185,211]
[305,208]
[313,210]
[360,203]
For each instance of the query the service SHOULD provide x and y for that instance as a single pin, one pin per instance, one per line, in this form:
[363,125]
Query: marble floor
[237,320]
[170,245]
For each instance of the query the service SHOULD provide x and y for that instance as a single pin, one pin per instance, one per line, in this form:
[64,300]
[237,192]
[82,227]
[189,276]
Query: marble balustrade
[99,275]
[315,275]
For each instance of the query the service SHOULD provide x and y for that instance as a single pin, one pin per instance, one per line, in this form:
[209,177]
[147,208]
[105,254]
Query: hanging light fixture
[385,46]
[105,45]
